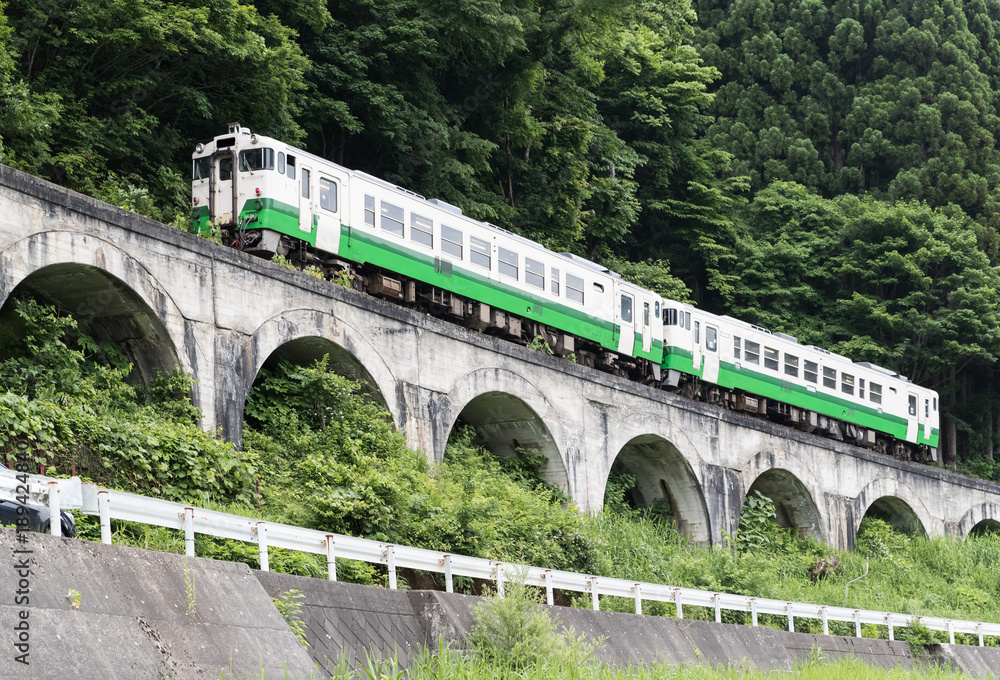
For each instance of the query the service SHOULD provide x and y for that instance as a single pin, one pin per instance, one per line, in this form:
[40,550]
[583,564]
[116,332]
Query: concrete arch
[986,515]
[899,501]
[112,295]
[507,412]
[305,335]
[663,474]
[792,486]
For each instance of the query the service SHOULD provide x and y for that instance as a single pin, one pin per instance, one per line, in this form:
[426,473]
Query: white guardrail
[90,499]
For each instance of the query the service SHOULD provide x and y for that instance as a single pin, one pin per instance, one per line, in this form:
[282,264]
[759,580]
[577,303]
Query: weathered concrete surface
[133,620]
[975,661]
[355,621]
[173,298]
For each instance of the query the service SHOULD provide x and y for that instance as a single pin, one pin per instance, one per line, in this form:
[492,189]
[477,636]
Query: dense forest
[825,168]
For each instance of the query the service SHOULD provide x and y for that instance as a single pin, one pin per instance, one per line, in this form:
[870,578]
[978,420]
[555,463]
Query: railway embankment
[99,611]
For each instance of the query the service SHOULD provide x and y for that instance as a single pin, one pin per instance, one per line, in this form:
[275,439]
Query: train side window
[751,352]
[508,262]
[479,252]
[421,230]
[281,162]
[771,358]
[656,309]
[327,194]
[697,332]
[554,281]
[451,241]
[711,338]
[369,210]
[875,393]
[687,320]
[861,388]
[847,383]
[626,309]
[736,346]
[935,404]
[829,378]
[202,168]
[912,404]
[927,408]
[574,288]
[534,273]
[810,371]
[290,167]
[670,317]
[791,365]
[392,219]
[645,313]
[305,183]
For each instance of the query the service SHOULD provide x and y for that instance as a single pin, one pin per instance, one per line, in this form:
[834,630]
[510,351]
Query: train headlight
[253,139]
[199,148]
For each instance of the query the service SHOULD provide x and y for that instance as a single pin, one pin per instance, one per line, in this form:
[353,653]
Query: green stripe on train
[773,387]
[362,246]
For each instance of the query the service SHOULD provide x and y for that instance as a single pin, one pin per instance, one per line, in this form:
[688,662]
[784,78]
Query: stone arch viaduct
[173,299]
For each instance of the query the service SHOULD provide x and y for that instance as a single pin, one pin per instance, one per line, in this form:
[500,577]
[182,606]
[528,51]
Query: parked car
[38,515]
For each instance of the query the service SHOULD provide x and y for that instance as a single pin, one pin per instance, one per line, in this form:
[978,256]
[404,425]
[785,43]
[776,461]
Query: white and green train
[269,198]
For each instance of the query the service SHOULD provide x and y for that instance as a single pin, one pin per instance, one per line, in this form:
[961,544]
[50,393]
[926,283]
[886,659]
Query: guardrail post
[449,587]
[678,604]
[188,531]
[791,619]
[390,561]
[55,518]
[888,619]
[261,530]
[637,589]
[593,593]
[717,599]
[979,629]
[548,587]
[331,559]
[951,633]
[104,510]
[753,611]
[857,623]
[826,624]
[498,576]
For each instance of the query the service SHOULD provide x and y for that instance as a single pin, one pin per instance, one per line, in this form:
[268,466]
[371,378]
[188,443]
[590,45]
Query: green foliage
[334,462]
[516,632]
[289,606]
[539,344]
[757,524]
[69,406]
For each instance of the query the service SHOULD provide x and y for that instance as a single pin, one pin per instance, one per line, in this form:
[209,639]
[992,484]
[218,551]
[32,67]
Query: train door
[626,323]
[911,417]
[696,347]
[305,200]
[711,355]
[647,327]
[221,205]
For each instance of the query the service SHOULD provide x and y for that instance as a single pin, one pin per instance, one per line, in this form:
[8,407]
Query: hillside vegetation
[318,453]
[822,167]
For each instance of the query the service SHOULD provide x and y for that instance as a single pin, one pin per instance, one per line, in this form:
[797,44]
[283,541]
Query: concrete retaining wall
[353,620]
[145,614]
[134,620]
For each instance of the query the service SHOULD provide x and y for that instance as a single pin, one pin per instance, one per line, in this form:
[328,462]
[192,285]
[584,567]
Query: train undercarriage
[475,315]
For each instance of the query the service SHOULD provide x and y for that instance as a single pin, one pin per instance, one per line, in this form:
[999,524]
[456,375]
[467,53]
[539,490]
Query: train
[271,199]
